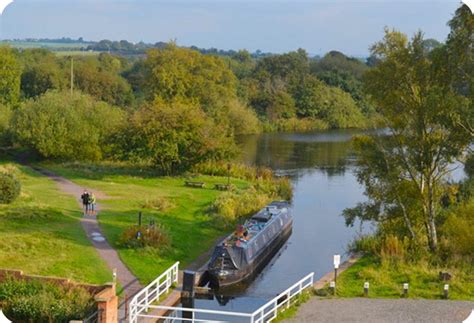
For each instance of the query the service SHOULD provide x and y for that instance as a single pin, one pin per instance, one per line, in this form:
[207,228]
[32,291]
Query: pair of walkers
[88,202]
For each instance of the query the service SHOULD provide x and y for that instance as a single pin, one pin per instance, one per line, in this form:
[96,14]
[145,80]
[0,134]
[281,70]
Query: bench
[194,184]
[222,187]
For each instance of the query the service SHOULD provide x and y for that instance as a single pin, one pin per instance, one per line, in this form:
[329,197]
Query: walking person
[92,202]
[85,201]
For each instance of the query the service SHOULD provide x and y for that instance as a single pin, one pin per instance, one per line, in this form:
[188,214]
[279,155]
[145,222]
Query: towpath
[369,310]
[127,280]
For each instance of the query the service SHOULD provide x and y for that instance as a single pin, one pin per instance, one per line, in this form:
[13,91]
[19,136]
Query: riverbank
[386,280]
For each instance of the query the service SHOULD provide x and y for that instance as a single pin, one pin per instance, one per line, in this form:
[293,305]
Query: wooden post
[140,218]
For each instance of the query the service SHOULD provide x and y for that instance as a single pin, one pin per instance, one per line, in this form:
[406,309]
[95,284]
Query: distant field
[49,45]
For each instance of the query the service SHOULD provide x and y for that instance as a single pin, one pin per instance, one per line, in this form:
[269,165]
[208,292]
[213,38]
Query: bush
[152,236]
[10,188]
[160,204]
[457,230]
[64,126]
[236,170]
[173,137]
[229,207]
[35,301]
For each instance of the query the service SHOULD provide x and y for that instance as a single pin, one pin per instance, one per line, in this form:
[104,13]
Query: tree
[9,77]
[317,100]
[61,126]
[180,74]
[459,60]
[419,110]
[172,137]
[41,72]
[99,77]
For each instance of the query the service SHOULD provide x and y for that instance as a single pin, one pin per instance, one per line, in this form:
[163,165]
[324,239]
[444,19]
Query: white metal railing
[151,293]
[171,314]
[269,311]
[265,313]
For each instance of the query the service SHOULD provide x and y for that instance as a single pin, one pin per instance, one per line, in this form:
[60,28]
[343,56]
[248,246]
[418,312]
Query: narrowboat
[251,246]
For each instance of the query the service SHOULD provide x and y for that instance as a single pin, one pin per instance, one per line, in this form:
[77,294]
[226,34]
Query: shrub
[160,204]
[229,207]
[35,301]
[10,188]
[154,236]
[237,170]
[457,231]
[64,126]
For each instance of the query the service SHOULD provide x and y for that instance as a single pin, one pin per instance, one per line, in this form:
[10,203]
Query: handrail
[266,313]
[198,310]
[161,285]
[273,305]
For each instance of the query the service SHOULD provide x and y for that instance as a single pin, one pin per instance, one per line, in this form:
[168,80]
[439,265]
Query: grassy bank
[386,280]
[41,232]
[131,190]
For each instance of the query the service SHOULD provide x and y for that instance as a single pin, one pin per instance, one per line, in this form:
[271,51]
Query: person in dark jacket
[85,197]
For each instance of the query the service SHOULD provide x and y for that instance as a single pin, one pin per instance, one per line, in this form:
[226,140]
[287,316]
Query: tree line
[172,108]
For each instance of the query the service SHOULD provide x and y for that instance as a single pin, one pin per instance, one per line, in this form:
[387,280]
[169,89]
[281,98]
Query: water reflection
[321,166]
[296,154]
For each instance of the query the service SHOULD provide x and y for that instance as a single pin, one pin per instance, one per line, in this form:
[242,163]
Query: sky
[276,26]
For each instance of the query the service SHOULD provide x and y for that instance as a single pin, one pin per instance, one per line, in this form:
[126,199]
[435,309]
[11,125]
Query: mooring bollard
[446,291]
[366,289]
[405,289]
[332,287]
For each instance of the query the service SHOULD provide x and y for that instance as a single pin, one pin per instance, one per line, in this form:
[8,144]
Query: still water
[321,167]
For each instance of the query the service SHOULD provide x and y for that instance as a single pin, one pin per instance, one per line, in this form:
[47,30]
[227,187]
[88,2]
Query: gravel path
[382,310]
[128,281]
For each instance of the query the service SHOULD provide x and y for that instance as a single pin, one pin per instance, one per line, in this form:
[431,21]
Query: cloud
[4,4]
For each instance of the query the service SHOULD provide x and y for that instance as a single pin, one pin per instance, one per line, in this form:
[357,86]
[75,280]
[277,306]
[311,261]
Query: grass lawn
[191,230]
[41,233]
[386,280]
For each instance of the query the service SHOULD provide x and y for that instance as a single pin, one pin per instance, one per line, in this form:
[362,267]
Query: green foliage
[296,125]
[172,137]
[242,120]
[9,77]
[155,237]
[27,301]
[5,116]
[175,73]
[100,78]
[457,232]
[243,171]
[61,126]
[330,104]
[404,172]
[41,72]
[10,188]
[229,207]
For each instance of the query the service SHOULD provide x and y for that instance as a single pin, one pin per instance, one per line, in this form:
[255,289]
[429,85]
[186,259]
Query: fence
[266,313]
[142,301]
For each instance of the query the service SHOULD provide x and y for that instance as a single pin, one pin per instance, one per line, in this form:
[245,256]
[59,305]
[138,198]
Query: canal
[321,167]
